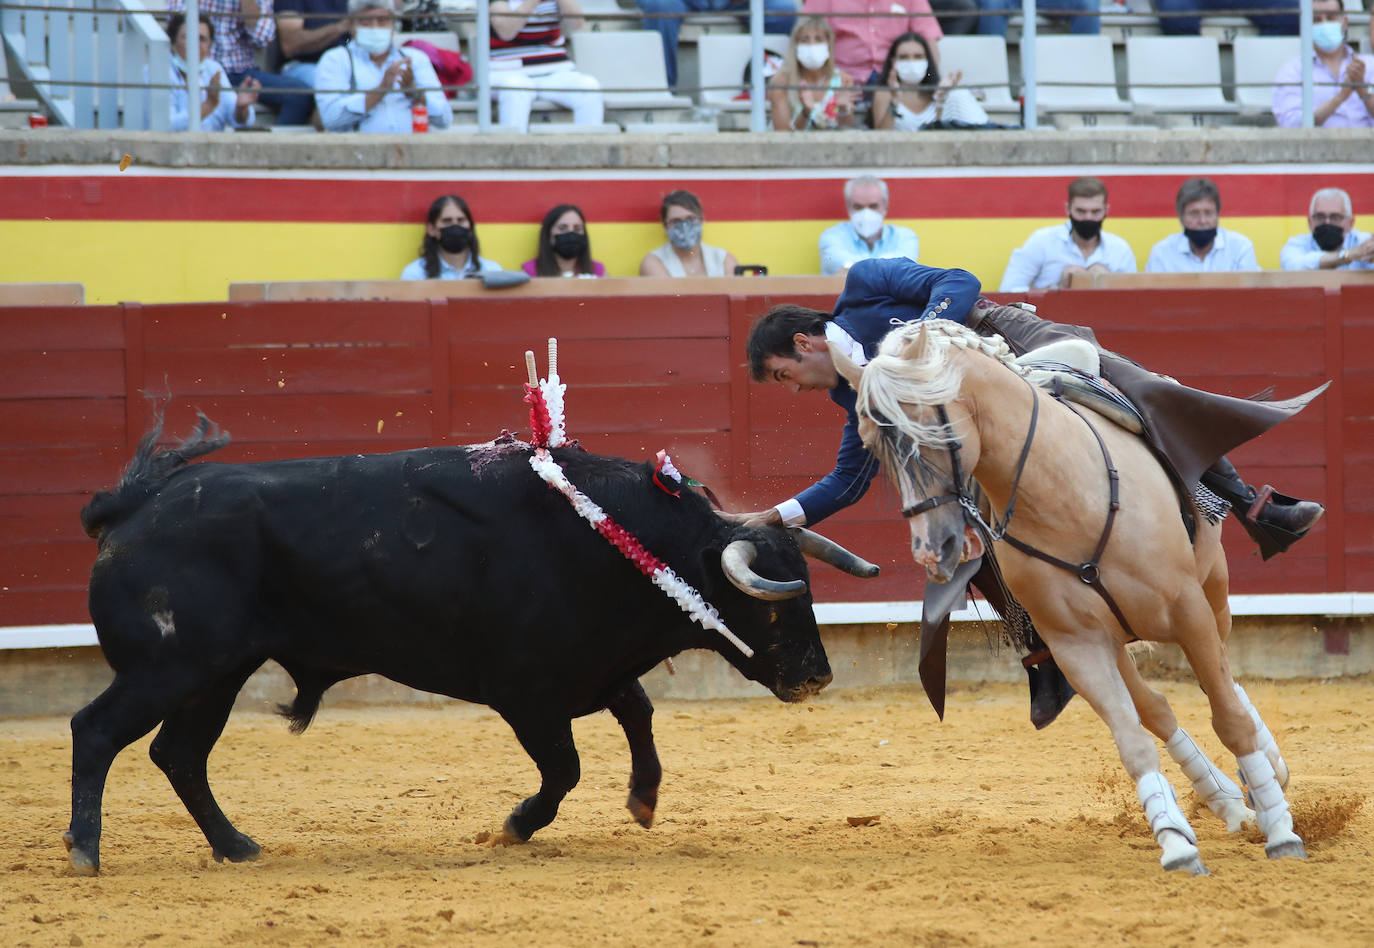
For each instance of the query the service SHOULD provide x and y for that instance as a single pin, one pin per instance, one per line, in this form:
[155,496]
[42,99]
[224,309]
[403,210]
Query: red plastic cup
[419,117]
[38,120]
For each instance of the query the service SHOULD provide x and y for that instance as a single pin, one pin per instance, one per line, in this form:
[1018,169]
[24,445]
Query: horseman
[1189,430]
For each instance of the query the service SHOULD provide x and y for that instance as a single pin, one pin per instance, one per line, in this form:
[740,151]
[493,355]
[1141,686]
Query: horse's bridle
[1089,572]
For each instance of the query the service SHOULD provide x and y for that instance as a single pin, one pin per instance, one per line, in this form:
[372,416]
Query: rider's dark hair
[771,335]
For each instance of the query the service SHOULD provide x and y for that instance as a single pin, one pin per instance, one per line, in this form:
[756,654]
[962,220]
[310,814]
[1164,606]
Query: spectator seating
[596,9]
[722,58]
[1227,29]
[1177,80]
[1087,67]
[634,79]
[1257,61]
[983,62]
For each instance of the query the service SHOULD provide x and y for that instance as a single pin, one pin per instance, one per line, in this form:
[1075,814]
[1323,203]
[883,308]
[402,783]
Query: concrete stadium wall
[61,681]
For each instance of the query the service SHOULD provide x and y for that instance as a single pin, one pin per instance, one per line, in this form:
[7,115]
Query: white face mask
[374,40]
[867,222]
[912,71]
[813,55]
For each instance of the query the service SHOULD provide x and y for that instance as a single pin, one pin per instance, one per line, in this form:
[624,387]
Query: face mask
[1328,36]
[1086,229]
[570,245]
[813,55]
[867,222]
[1328,236]
[374,40]
[455,238]
[1200,238]
[912,71]
[684,234]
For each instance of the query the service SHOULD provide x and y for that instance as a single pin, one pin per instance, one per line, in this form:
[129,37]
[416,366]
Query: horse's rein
[996,530]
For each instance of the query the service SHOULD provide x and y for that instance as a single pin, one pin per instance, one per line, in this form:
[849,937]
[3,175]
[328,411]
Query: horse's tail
[148,468]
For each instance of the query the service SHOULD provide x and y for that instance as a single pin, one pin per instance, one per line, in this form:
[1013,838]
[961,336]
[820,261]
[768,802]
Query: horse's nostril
[950,547]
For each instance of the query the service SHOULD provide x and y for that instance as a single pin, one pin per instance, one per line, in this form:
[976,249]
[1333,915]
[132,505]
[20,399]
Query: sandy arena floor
[985,832]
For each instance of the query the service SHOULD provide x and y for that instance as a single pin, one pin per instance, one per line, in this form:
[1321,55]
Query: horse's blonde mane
[892,384]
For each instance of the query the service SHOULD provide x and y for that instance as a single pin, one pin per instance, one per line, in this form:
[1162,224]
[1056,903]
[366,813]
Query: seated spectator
[241,28]
[666,17]
[450,249]
[1340,96]
[809,91]
[862,41]
[1053,254]
[305,29]
[564,248]
[684,254]
[1282,22]
[1202,246]
[1332,242]
[371,84]
[864,236]
[220,106]
[914,94]
[1084,19]
[529,61]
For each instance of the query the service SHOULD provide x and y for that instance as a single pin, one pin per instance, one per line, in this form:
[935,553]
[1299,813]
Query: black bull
[451,570]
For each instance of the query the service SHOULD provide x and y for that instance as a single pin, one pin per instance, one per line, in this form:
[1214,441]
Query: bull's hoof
[83,863]
[1191,865]
[642,812]
[242,849]
[510,835]
[1287,848]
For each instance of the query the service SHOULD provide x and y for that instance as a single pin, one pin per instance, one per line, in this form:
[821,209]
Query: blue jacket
[878,296]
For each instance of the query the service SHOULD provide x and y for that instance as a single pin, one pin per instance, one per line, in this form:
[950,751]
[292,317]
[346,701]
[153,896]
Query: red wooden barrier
[310,378]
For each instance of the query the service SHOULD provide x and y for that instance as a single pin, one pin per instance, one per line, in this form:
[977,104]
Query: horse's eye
[880,418]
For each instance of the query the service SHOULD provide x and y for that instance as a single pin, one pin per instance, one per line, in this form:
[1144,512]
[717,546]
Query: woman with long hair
[684,255]
[809,91]
[915,95]
[564,248]
[450,249]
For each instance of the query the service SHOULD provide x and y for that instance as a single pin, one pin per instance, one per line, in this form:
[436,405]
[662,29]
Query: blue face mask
[1328,36]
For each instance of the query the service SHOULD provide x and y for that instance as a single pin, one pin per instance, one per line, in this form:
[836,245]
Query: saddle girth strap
[1089,572]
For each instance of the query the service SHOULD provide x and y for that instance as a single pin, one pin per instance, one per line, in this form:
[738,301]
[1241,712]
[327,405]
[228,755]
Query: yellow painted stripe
[179,261]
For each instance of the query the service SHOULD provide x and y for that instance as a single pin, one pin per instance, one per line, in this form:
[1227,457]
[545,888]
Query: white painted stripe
[674,174]
[830,613]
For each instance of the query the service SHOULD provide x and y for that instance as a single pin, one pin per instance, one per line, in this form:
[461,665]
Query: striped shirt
[540,41]
[235,46]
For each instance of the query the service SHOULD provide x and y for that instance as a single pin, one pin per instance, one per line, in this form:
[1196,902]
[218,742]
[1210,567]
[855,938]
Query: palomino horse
[1097,554]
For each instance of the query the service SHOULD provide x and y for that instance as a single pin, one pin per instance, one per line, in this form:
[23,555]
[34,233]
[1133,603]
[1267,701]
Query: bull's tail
[311,684]
[149,466]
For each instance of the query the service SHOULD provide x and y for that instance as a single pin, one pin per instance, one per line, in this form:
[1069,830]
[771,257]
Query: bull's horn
[828,551]
[736,560]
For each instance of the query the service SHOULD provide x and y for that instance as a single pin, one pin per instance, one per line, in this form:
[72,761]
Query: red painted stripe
[618,200]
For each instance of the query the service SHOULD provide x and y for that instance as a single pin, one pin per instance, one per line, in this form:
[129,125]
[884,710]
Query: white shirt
[1302,253]
[791,511]
[223,115]
[1230,252]
[1040,261]
[350,68]
[841,246]
[415,270]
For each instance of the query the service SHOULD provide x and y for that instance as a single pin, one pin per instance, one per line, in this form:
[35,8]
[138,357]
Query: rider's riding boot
[1050,691]
[1274,521]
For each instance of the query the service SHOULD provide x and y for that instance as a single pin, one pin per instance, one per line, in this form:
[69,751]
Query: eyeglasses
[1328,218]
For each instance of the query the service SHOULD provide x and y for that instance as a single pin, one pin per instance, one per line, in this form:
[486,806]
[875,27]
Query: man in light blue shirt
[1202,246]
[1053,254]
[1332,242]
[371,84]
[864,236]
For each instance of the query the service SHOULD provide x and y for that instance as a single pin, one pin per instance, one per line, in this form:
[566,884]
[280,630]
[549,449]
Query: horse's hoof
[1288,848]
[642,812]
[82,862]
[1190,864]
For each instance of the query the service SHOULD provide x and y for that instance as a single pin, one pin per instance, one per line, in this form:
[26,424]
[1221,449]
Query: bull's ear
[916,348]
[850,372]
